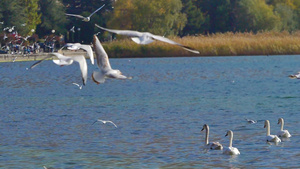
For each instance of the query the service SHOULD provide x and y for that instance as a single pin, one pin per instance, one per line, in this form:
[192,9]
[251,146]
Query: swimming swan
[211,145]
[283,133]
[270,138]
[230,150]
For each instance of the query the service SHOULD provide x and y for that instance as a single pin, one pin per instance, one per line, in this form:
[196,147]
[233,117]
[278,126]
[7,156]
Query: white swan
[211,145]
[230,150]
[144,38]
[283,133]
[103,63]
[269,137]
[85,19]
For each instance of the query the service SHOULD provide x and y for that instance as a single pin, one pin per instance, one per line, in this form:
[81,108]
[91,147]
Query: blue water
[45,120]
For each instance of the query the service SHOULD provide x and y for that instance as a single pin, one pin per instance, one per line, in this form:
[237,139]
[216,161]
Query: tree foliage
[156,16]
[255,15]
[52,17]
[163,17]
[33,18]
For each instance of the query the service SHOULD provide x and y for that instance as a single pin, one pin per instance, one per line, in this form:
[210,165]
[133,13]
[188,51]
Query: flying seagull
[104,122]
[146,38]
[68,60]
[86,19]
[73,29]
[103,63]
[77,46]
[80,86]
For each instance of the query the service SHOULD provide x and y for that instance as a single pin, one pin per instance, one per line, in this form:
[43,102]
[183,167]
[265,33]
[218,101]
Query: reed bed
[226,44]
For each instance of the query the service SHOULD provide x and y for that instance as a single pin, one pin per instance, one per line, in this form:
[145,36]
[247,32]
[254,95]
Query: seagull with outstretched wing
[144,38]
[67,60]
[86,19]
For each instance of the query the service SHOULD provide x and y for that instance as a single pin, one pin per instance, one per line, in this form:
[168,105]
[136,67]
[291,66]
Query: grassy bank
[227,44]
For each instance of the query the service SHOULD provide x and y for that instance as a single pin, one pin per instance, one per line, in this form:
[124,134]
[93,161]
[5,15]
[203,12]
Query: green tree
[288,17]
[33,18]
[52,17]
[195,18]
[220,17]
[162,17]
[13,13]
[256,15]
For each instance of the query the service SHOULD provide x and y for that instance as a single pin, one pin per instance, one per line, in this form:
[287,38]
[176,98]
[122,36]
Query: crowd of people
[14,44]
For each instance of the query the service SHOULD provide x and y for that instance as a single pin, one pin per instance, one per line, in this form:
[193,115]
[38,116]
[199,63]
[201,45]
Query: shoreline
[214,45]
[36,57]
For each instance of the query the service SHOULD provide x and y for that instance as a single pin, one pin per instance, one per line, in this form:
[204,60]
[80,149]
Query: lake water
[45,120]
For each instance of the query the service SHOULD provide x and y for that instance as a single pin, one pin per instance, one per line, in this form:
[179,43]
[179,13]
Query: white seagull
[77,46]
[251,121]
[144,38]
[80,86]
[73,29]
[68,60]
[295,76]
[103,63]
[86,19]
[104,122]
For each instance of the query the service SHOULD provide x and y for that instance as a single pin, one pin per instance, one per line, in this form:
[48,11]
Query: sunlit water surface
[45,120]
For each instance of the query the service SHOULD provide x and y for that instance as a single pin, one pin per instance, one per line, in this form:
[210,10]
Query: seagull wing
[83,66]
[96,10]
[122,32]
[101,55]
[112,123]
[40,61]
[163,39]
[78,16]
[89,51]
[62,60]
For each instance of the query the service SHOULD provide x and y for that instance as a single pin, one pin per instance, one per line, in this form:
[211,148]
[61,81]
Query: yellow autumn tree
[162,17]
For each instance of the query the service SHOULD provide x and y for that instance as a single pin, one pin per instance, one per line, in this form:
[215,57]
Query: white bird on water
[269,137]
[86,19]
[103,63]
[230,150]
[295,76]
[68,60]
[283,133]
[211,145]
[144,38]
[251,121]
[104,122]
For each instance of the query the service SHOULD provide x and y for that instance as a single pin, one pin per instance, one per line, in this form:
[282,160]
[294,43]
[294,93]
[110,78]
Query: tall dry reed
[226,44]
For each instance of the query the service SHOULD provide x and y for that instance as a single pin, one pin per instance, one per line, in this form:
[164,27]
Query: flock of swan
[230,150]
